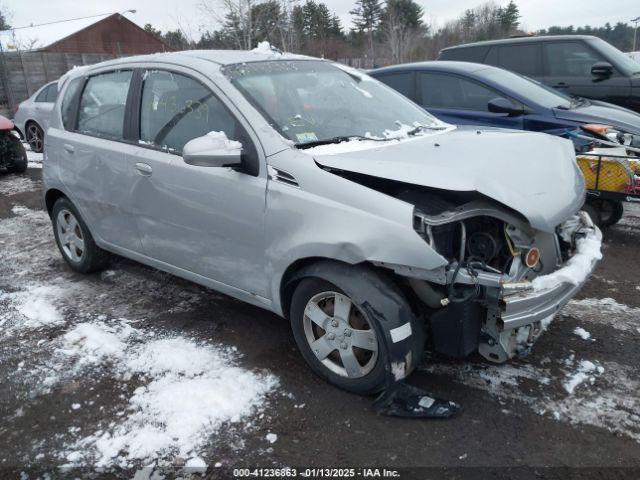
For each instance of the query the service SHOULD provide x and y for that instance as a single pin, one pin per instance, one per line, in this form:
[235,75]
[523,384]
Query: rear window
[48,94]
[102,104]
[521,58]
[67,102]
[465,54]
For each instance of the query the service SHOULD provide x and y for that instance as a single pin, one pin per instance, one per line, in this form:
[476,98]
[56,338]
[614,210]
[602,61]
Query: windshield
[619,59]
[315,101]
[532,91]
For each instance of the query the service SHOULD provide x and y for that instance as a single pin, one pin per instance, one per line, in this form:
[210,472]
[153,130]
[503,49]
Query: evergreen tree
[367,17]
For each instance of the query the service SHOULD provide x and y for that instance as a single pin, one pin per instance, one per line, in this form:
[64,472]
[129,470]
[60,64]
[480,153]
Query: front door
[206,220]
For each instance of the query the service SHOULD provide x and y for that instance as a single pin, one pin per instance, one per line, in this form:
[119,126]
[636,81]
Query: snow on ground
[582,333]
[605,311]
[179,392]
[13,184]
[34,159]
[579,392]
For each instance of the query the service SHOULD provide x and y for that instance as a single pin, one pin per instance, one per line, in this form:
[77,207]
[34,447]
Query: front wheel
[339,329]
[611,211]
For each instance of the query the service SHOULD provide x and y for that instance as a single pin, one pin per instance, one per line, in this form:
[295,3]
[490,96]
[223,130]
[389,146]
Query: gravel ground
[571,409]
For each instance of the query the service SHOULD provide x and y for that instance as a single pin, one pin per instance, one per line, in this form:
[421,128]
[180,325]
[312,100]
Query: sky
[187,14]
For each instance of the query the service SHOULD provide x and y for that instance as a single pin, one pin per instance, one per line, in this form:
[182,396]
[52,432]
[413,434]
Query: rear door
[205,220]
[522,58]
[93,152]
[43,104]
[568,68]
[461,101]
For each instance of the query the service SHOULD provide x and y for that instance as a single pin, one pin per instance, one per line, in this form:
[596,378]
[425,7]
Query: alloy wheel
[34,137]
[70,235]
[340,335]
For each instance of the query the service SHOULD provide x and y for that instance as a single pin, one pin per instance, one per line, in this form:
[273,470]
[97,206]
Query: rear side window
[523,59]
[448,91]
[46,93]
[570,59]
[67,102]
[401,82]
[102,104]
[176,109]
[466,54]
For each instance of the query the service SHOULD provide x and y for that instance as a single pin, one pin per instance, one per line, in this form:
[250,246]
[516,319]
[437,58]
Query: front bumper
[525,311]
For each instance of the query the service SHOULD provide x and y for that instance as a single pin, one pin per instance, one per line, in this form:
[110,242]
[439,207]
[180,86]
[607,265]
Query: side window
[42,96]
[401,82]
[102,104]
[570,59]
[447,91]
[176,108]
[52,92]
[524,58]
[67,102]
[492,57]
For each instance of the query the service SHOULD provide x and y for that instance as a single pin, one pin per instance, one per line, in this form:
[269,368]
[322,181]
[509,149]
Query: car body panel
[181,217]
[32,110]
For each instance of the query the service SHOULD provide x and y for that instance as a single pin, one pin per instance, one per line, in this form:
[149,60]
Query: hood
[603,113]
[532,173]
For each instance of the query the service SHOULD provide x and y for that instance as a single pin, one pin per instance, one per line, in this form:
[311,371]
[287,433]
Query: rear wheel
[341,340]
[35,137]
[610,211]
[593,212]
[74,239]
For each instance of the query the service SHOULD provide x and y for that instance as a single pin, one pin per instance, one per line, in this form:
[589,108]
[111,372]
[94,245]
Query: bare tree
[235,17]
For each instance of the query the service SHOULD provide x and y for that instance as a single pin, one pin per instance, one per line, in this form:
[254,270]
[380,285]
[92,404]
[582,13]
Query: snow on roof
[36,37]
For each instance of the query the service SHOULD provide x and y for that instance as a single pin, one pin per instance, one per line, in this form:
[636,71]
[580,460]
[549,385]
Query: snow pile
[586,371]
[219,141]
[578,268]
[582,333]
[266,48]
[35,306]
[190,390]
[15,184]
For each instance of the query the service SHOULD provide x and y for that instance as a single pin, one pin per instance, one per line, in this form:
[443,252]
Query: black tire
[35,137]
[19,155]
[92,257]
[593,212]
[386,294]
[611,211]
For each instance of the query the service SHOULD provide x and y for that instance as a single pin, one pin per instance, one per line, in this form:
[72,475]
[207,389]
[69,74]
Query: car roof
[191,57]
[508,41]
[435,66]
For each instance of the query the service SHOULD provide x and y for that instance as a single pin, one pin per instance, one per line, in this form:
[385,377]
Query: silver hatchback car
[311,190]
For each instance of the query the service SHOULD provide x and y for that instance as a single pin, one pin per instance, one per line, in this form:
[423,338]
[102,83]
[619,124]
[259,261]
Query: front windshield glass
[619,59]
[313,101]
[533,91]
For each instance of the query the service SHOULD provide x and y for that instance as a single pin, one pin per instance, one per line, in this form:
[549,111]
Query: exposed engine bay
[493,256]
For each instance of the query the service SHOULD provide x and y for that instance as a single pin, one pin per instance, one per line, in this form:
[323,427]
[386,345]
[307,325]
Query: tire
[611,211]
[593,212]
[74,239]
[35,137]
[19,155]
[372,373]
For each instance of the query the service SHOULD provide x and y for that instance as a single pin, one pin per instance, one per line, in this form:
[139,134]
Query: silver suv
[313,191]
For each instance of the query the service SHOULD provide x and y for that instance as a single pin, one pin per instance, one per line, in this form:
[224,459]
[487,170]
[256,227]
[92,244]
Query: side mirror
[602,69]
[212,150]
[502,105]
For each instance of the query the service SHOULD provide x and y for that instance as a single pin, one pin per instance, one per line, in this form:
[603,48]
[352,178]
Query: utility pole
[635,32]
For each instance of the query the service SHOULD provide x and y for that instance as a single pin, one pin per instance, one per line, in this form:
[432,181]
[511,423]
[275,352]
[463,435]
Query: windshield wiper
[419,128]
[339,139]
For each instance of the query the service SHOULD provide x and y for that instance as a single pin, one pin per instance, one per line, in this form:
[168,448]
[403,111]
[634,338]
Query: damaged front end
[504,282]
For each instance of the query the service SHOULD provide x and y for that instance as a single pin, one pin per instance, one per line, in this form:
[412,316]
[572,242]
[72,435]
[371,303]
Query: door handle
[144,169]
[69,148]
[561,85]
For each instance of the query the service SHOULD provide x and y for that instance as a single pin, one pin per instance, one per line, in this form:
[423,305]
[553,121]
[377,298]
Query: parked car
[579,65]
[13,157]
[318,193]
[32,116]
[465,93]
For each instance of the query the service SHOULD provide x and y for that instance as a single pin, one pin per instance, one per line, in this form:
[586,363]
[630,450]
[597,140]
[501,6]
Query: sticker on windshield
[306,137]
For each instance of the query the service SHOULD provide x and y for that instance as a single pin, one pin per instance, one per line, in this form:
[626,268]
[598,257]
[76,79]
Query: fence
[22,73]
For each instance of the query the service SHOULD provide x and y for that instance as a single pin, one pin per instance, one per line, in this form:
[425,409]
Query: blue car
[465,93]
